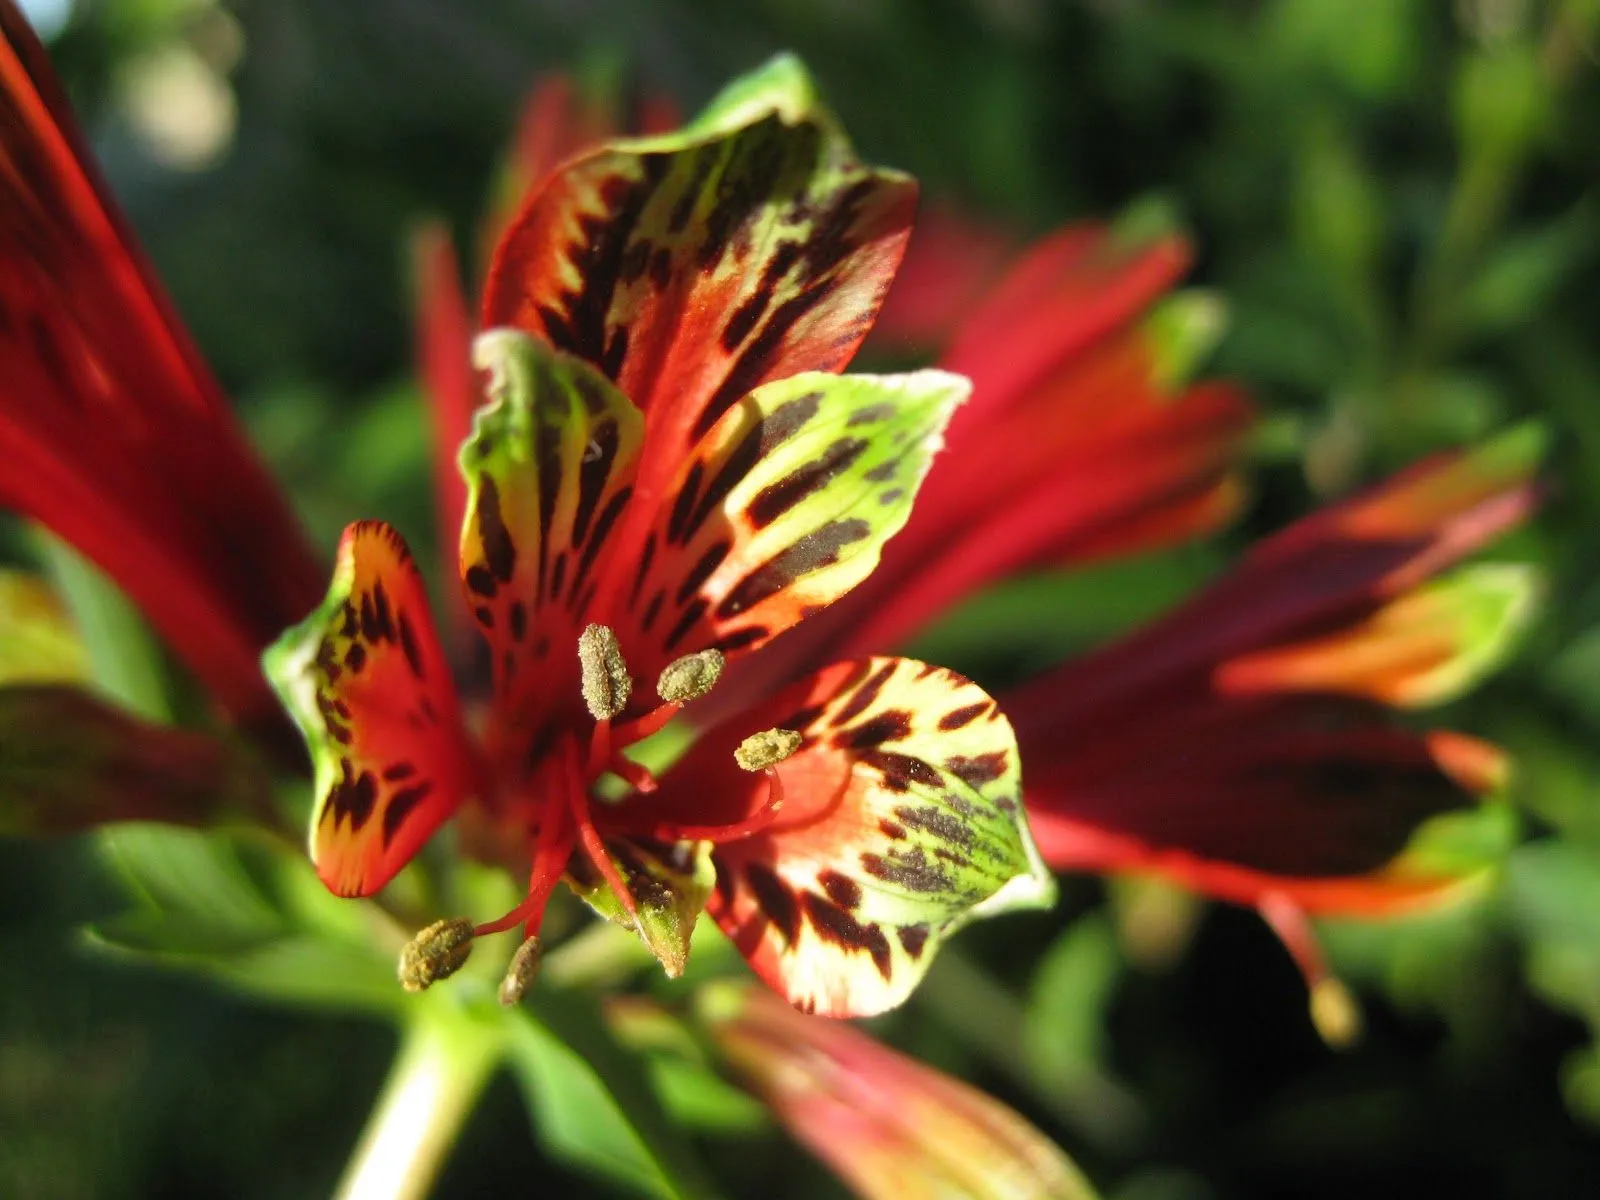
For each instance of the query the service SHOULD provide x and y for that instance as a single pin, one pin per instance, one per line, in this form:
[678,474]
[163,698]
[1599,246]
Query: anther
[766,749]
[436,953]
[1336,1013]
[690,677]
[524,969]
[606,682]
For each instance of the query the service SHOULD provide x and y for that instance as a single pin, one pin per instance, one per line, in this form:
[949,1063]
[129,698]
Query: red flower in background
[1244,744]
[112,432]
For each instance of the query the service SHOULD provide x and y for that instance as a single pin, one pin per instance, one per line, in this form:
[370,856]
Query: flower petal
[900,822]
[670,882]
[549,472]
[1427,646]
[38,641]
[781,508]
[1310,796]
[112,432]
[70,762]
[367,683]
[1324,574]
[693,267]
[889,1125]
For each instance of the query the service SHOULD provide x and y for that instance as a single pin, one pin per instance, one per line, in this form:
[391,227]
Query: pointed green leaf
[592,1100]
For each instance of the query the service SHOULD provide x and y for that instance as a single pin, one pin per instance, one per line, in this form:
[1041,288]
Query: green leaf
[1068,999]
[1520,275]
[592,1100]
[245,917]
[126,661]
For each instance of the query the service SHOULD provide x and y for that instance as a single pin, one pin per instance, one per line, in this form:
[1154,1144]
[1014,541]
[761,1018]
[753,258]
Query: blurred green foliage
[1395,200]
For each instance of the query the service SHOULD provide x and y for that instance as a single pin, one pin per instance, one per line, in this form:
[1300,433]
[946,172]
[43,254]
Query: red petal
[1321,575]
[369,686]
[1275,790]
[111,431]
[1145,756]
[951,261]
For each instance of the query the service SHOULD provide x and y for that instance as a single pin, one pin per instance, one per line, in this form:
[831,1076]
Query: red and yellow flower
[669,472]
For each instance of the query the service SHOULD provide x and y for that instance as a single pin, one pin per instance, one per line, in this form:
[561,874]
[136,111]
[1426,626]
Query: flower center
[565,776]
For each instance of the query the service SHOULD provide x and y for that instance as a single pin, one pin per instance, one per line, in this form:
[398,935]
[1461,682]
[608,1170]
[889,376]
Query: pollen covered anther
[606,682]
[1336,1013]
[436,953]
[766,749]
[520,974]
[690,677]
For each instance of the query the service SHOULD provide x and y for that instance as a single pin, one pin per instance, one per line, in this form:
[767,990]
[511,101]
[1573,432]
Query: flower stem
[444,1061]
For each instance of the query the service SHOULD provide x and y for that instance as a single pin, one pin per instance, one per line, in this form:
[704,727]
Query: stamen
[1335,1012]
[600,755]
[643,726]
[593,844]
[766,749]
[436,953]
[734,831]
[520,974]
[549,862]
[690,677]
[606,682]
[635,775]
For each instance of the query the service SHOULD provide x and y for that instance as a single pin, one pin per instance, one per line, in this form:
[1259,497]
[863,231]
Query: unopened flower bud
[524,969]
[690,677]
[436,953]
[606,682]
[766,749]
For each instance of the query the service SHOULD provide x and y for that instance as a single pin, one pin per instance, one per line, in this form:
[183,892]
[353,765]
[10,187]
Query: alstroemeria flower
[1246,745]
[112,432]
[668,474]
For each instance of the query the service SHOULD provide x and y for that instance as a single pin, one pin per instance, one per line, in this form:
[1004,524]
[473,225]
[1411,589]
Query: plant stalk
[443,1065]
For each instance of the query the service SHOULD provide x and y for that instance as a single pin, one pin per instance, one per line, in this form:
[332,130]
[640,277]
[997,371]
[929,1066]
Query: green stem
[445,1059]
